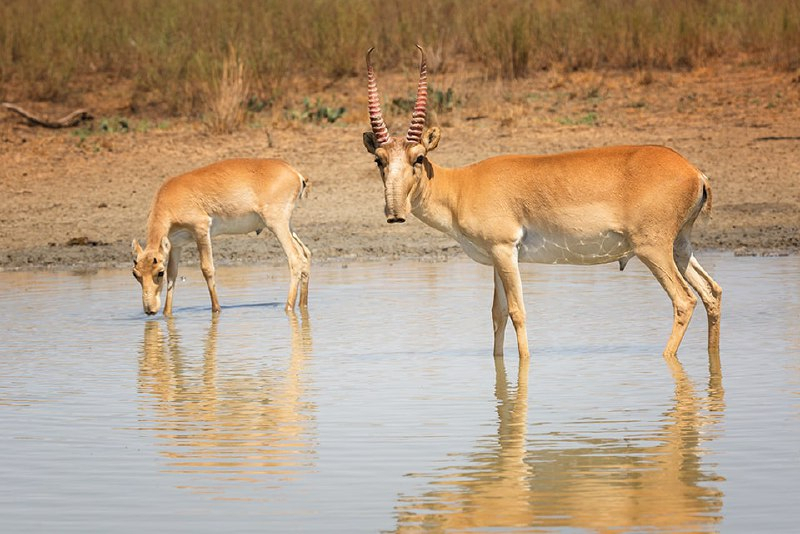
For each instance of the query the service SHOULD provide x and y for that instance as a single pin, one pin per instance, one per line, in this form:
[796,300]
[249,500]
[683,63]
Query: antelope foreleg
[207,267]
[172,275]
[499,314]
[504,258]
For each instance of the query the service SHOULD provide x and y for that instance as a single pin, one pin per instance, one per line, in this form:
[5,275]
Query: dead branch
[73,119]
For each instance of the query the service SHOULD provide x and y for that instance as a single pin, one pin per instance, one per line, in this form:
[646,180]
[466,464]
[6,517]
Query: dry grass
[169,52]
[229,96]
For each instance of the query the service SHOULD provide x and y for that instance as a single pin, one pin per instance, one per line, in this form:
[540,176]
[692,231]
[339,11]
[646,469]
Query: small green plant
[590,119]
[317,112]
[114,125]
[438,100]
[443,101]
[257,104]
[82,134]
[103,126]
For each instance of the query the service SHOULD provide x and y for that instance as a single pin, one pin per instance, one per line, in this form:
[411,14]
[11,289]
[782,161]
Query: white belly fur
[604,247]
[244,224]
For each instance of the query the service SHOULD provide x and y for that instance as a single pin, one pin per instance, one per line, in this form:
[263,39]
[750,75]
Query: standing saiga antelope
[587,207]
[235,196]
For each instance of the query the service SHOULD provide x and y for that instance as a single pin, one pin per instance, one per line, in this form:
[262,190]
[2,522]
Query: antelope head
[402,163]
[149,268]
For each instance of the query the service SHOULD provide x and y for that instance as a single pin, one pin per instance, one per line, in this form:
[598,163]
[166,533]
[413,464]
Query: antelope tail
[707,197]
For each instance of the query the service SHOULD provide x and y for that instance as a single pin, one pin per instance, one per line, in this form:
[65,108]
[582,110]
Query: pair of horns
[379,128]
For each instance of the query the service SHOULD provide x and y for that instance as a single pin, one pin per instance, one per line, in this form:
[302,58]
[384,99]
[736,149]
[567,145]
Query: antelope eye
[161,274]
[419,160]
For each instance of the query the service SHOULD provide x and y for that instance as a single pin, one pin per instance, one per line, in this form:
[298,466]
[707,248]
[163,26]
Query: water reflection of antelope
[246,424]
[658,480]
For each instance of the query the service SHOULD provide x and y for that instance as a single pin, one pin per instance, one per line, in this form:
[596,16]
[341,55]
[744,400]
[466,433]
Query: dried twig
[73,119]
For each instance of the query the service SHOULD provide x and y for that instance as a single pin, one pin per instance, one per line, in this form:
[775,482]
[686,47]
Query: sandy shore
[69,200]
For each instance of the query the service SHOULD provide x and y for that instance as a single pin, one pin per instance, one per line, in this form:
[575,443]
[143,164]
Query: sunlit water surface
[383,409]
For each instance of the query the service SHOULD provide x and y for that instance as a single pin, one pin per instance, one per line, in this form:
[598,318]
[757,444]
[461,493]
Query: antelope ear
[136,249]
[165,245]
[370,143]
[431,137]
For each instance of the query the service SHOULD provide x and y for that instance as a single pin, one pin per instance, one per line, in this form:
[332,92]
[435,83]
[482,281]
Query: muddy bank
[73,199]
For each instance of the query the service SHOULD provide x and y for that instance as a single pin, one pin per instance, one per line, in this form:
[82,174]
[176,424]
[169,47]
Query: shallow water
[383,409]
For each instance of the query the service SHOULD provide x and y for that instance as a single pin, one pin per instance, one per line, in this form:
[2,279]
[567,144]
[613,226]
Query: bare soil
[74,199]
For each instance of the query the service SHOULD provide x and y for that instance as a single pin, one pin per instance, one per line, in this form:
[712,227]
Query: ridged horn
[414,134]
[375,116]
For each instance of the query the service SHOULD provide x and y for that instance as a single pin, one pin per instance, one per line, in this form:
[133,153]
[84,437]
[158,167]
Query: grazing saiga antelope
[235,196]
[586,208]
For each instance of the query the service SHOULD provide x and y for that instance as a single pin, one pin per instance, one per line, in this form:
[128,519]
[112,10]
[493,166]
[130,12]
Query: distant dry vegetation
[194,57]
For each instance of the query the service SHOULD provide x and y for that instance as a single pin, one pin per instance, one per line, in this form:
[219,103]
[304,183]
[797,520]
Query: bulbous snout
[397,190]
[151,303]
[397,208]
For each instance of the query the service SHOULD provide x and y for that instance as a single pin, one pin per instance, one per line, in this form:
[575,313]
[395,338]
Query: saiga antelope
[587,207]
[235,196]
